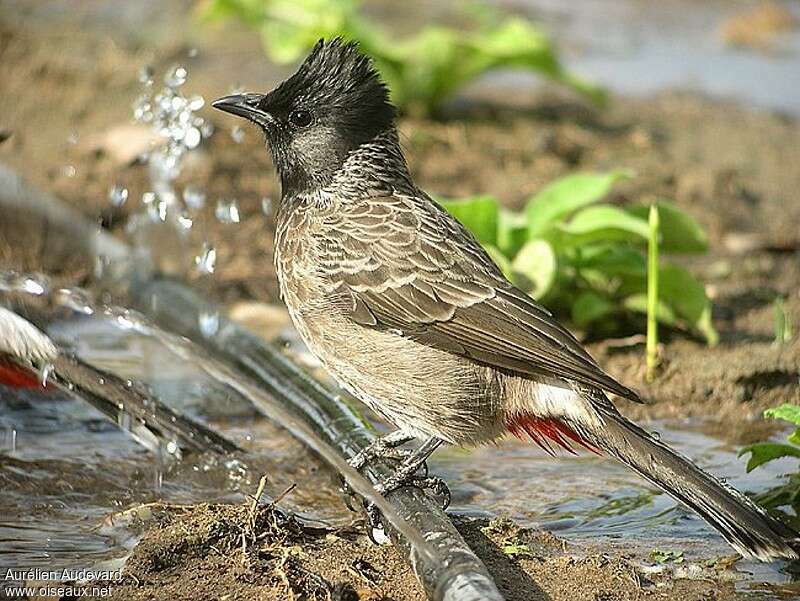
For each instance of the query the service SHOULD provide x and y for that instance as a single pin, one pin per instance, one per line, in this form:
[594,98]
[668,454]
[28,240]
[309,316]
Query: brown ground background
[65,101]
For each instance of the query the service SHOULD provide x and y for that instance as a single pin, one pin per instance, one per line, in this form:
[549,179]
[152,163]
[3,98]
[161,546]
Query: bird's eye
[300,118]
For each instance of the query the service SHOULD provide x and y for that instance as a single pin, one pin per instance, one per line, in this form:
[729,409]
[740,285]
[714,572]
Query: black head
[333,104]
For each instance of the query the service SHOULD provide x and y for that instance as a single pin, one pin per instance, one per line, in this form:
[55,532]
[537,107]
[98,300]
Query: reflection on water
[70,468]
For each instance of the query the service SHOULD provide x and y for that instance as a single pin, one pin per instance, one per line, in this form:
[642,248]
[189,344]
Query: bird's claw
[378,450]
[422,481]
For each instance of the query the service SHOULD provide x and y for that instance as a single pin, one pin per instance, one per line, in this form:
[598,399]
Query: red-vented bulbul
[408,312]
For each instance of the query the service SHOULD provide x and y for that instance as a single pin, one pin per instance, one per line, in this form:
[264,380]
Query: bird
[23,350]
[407,311]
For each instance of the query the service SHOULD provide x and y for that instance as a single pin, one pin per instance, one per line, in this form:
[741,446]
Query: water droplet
[125,322]
[158,211]
[32,286]
[172,447]
[192,138]
[209,323]
[10,440]
[192,53]
[266,205]
[146,75]
[118,195]
[72,138]
[77,299]
[206,261]
[206,128]
[655,435]
[185,221]
[68,171]
[227,210]
[194,197]
[237,134]
[176,76]
[44,373]
[196,103]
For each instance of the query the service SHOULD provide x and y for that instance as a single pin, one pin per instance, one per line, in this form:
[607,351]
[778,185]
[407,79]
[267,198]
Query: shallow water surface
[64,469]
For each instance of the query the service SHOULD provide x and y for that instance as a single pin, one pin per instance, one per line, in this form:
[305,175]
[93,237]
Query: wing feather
[408,265]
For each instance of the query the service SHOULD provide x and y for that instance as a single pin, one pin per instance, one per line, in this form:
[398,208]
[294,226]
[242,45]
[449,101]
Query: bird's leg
[384,447]
[406,473]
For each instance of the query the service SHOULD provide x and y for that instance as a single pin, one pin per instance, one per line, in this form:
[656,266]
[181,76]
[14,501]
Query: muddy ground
[238,552]
[65,103]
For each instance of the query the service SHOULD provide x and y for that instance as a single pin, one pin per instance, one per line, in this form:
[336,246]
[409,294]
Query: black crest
[338,77]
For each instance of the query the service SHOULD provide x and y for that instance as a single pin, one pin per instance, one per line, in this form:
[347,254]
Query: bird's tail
[745,525]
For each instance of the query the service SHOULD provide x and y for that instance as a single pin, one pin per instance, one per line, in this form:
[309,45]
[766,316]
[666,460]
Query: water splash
[194,197]
[35,284]
[209,323]
[178,129]
[237,134]
[227,210]
[206,261]
[118,195]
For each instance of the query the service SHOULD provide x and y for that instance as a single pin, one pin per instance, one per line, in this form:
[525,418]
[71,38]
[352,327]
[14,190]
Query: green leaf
[566,195]
[666,556]
[515,549]
[638,303]
[687,296]
[500,260]
[512,232]
[612,260]
[787,412]
[590,307]
[536,261]
[764,452]
[604,223]
[478,214]
[679,231]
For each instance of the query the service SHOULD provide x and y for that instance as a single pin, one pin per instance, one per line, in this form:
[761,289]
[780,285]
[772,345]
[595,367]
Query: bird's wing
[402,263]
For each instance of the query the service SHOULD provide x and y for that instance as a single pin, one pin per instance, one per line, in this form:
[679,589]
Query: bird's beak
[244,105]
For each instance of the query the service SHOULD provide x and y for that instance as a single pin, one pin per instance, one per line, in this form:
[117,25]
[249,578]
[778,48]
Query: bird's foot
[385,447]
[422,481]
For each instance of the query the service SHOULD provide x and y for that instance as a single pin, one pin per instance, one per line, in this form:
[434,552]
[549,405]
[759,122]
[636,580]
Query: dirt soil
[65,93]
[239,552]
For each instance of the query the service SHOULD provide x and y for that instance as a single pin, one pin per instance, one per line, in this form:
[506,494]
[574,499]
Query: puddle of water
[64,468]
[641,47]
[55,493]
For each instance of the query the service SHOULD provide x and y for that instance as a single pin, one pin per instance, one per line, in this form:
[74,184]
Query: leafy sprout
[652,294]
[588,258]
[423,70]
[786,494]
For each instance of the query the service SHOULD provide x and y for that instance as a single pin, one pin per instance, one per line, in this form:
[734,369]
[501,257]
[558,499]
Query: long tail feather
[745,525]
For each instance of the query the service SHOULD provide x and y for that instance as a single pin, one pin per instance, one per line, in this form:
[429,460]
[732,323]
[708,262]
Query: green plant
[783,325]
[786,494]
[663,556]
[652,294]
[423,70]
[578,255]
